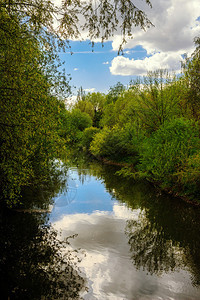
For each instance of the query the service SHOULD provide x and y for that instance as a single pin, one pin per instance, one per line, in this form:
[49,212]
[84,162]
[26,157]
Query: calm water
[105,238]
[135,243]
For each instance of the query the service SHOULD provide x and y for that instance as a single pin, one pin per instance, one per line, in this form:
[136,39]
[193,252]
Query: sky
[176,24]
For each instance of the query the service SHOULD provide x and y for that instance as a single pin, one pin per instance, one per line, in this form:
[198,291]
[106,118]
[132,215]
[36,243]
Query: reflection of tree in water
[150,249]
[166,236]
[86,167]
[33,264]
[40,194]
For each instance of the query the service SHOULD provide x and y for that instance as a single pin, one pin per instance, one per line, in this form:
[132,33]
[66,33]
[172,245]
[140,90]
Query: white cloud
[106,63]
[75,69]
[176,25]
[124,66]
[123,212]
[127,52]
[89,90]
[70,101]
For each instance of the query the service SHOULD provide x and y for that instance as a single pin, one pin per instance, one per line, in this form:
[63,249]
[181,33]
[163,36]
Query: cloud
[70,101]
[76,69]
[106,63]
[125,67]
[89,90]
[176,25]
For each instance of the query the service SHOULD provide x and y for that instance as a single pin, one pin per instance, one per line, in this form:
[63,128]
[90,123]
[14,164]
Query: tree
[100,18]
[191,69]
[81,94]
[97,100]
[114,92]
[29,138]
[85,107]
[157,99]
[167,150]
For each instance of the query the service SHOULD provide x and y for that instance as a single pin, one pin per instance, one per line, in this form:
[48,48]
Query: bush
[73,125]
[189,175]
[114,144]
[88,135]
[168,149]
[80,120]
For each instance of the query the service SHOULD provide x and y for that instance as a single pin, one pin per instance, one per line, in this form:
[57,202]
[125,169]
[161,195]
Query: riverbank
[158,185]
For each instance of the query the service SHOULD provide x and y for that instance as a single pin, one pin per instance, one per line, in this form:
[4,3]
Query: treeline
[151,127]
[35,128]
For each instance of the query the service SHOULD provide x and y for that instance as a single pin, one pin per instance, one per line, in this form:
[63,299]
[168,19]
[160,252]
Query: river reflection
[34,262]
[137,243]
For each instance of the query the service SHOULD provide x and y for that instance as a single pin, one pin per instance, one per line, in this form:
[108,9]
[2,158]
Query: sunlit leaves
[29,138]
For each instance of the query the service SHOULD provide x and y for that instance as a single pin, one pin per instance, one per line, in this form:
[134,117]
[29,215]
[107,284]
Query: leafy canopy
[100,19]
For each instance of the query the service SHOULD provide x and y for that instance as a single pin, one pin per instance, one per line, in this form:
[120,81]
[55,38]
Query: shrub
[114,144]
[88,135]
[189,175]
[167,150]
[80,120]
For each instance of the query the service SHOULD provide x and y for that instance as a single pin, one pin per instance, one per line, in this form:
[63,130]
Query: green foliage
[73,125]
[96,99]
[29,126]
[148,103]
[92,104]
[98,102]
[158,99]
[114,92]
[85,107]
[100,21]
[114,144]
[80,120]
[167,150]
[192,80]
[88,135]
[188,175]
[108,117]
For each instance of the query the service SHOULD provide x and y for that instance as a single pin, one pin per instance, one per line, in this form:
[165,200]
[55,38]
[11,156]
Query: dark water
[127,241]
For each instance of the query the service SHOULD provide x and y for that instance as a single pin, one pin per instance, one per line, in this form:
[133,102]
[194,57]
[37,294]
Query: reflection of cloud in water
[107,264]
[123,212]
[101,234]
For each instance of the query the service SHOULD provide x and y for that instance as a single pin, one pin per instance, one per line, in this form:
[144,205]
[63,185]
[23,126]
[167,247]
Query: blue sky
[91,69]
[176,22]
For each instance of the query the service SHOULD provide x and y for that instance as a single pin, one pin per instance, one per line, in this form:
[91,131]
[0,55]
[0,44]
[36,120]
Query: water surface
[134,242]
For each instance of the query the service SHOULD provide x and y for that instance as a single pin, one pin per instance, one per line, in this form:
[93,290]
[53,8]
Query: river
[127,241]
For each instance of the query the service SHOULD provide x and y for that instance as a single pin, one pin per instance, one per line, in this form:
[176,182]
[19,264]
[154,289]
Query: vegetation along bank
[151,128]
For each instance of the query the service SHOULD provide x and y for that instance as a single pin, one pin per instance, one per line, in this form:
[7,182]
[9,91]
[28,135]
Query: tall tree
[29,138]
[192,76]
